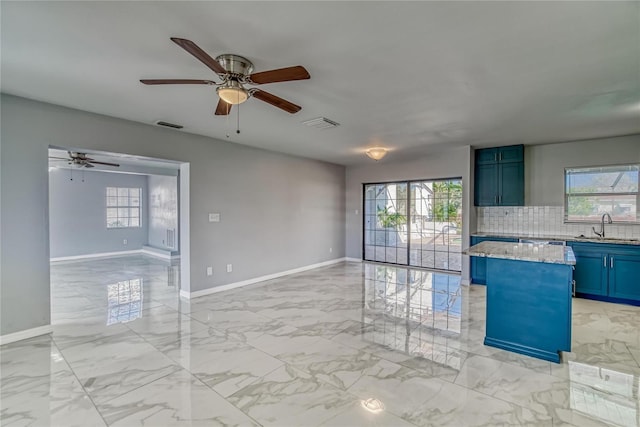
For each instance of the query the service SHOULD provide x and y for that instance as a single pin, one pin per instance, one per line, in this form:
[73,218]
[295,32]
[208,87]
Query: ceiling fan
[235,72]
[80,160]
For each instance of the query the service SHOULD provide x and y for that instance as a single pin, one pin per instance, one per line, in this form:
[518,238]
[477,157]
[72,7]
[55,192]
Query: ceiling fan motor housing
[236,65]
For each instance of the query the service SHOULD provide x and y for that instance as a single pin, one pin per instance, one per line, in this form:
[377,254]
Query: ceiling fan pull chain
[238,121]
[82,175]
[71,174]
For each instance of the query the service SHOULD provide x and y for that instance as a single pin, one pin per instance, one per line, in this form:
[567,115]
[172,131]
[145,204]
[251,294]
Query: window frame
[118,206]
[597,221]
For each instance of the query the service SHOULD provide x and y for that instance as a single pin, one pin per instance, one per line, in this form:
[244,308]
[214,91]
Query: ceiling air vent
[321,123]
[169,125]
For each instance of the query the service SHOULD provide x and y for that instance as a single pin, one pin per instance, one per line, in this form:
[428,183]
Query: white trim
[465,282]
[348,259]
[158,254]
[98,255]
[235,285]
[23,335]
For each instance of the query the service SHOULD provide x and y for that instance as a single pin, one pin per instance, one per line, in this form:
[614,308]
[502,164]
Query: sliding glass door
[416,223]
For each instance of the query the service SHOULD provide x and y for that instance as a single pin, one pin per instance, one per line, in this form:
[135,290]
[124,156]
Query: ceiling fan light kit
[236,71]
[232,93]
[376,153]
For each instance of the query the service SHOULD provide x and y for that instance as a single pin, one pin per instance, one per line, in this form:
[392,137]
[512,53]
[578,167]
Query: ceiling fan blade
[276,101]
[88,165]
[176,82]
[280,75]
[105,163]
[59,158]
[223,108]
[203,56]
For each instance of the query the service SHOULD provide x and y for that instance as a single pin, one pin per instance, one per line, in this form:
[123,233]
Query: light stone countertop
[614,240]
[550,254]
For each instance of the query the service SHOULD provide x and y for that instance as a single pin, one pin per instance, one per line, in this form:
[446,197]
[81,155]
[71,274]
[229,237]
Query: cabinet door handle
[499,200]
[496,200]
[495,157]
[573,288]
[611,261]
[500,157]
[604,262]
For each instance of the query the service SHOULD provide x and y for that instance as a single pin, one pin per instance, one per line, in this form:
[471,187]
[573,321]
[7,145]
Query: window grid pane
[592,192]
[414,223]
[123,207]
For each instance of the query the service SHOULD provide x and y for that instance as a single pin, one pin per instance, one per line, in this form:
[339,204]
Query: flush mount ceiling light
[376,153]
[232,92]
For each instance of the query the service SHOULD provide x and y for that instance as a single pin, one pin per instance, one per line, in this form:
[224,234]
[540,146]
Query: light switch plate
[214,217]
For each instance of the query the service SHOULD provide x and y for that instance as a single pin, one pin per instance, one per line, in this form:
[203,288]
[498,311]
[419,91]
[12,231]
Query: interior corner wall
[544,164]
[447,164]
[77,213]
[278,212]
[162,202]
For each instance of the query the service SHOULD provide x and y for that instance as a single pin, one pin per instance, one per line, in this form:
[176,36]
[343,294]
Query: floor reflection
[604,394]
[124,301]
[406,309]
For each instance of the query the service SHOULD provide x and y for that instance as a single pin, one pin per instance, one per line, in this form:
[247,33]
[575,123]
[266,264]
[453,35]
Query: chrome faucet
[609,221]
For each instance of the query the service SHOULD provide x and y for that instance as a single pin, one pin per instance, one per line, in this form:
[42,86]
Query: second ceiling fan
[235,72]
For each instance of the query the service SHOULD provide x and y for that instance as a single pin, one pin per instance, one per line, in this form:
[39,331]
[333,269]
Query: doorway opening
[415,223]
[123,215]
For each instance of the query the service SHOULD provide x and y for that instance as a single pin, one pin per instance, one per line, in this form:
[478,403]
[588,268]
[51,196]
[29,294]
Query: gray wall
[77,213]
[278,212]
[449,164]
[544,164]
[162,202]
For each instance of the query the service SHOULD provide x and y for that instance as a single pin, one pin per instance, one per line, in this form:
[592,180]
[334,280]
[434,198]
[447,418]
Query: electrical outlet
[124,242]
[330,250]
[209,271]
[229,268]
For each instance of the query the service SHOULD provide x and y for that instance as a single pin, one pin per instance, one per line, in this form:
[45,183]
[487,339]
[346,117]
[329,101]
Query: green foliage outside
[580,206]
[447,202]
[389,219]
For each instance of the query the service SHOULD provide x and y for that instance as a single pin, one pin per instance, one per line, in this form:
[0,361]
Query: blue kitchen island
[529,288]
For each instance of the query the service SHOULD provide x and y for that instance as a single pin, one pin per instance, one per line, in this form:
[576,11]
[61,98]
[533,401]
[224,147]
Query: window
[123,207]
[590,192]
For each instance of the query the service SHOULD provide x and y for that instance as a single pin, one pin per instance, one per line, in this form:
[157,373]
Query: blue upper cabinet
[499,176]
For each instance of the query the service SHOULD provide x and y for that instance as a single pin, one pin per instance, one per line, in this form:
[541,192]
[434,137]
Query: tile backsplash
[543,221]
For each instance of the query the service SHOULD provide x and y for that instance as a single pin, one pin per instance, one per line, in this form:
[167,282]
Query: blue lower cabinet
[529,307]
[607,272]
[479,264]
[590,274]
[624,276]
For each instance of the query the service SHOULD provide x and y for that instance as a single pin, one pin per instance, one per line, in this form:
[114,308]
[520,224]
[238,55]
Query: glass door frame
[408,182]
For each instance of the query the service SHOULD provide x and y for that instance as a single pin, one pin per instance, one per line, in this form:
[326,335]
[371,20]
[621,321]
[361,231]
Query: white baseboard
[465,282]
[23,335]
[98,255]
[159,255]
[235,285]
[352,259]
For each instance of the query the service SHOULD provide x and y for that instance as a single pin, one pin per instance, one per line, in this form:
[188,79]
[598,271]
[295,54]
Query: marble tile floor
[311,349]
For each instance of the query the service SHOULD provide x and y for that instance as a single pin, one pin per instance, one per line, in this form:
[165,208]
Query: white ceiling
[412,76]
